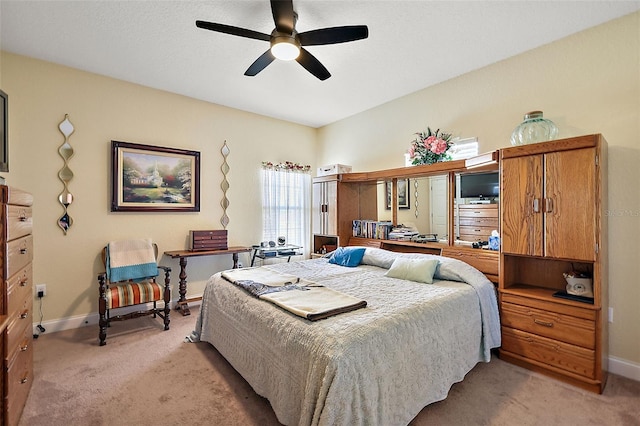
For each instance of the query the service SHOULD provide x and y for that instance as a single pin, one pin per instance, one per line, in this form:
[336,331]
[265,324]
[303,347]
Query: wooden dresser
[476,221]
[553,195]
[17,279]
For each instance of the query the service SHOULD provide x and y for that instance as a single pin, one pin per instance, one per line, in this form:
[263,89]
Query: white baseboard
[619,366]
[78,321]
[624,368]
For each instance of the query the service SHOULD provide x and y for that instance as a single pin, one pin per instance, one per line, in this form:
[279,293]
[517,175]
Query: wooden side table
[182,304]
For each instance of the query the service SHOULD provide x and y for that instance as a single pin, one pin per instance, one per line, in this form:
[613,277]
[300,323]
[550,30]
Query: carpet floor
[146,376]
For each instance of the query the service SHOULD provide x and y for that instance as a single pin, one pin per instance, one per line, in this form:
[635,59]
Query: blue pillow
[347,256]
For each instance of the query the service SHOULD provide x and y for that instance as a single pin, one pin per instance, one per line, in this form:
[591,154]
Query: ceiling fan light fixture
[285,47]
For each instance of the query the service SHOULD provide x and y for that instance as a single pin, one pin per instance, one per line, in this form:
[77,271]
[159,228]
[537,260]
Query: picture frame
[147,178]
[403,194]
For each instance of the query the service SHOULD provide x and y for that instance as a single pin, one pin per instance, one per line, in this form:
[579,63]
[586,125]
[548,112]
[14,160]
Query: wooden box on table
[208,240]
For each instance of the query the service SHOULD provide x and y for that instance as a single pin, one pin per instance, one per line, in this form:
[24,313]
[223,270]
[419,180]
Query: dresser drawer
[19,290]
[484,261]
[479,221]
[19,327]
[545,305]
[565,328]
[478,231]
[19,379]
[19,222]
[365,242]
[478,210]
[11,195]
[19,254]
[571,358]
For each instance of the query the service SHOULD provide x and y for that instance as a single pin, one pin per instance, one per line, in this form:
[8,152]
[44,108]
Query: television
[480,185]
[4,134]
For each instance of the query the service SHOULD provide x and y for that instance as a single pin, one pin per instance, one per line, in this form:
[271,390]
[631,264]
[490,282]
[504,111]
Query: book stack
[372,229]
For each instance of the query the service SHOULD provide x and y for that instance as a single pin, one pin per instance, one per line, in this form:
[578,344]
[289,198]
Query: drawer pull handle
[24,281]
[24,314]
[24,348]
[24,380]
[23,216]
[543,323]
[23,250]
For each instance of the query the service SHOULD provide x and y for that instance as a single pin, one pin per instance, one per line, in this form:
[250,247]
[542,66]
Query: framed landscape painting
[148,178]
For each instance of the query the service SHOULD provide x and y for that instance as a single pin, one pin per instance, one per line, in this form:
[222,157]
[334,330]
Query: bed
[377,365]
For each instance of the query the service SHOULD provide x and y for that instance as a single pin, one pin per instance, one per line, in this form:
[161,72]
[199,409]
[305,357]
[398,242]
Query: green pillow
[419,270]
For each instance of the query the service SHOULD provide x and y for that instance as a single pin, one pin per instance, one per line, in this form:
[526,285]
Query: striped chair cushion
[127,294]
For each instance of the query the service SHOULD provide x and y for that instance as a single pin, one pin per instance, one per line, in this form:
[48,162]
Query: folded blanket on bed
[314,302]
[131,260]
[306,299]
[259,275]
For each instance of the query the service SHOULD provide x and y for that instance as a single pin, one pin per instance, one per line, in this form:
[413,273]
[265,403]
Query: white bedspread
[379,365]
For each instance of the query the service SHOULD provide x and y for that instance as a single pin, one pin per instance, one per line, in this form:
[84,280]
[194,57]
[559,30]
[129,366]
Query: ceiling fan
[286,42]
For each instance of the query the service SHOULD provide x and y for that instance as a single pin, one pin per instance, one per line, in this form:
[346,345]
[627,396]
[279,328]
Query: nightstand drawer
[561,355]
[577,331]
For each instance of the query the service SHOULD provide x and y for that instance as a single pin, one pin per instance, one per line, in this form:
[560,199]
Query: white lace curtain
[286,204]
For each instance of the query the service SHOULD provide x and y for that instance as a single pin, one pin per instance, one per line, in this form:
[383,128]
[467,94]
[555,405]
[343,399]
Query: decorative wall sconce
[65,174]
[224,220]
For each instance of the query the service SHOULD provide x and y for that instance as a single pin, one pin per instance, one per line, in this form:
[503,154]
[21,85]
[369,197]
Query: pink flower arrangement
[430,147]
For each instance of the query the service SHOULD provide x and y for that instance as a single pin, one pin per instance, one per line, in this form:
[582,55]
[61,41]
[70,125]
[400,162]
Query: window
[286,205]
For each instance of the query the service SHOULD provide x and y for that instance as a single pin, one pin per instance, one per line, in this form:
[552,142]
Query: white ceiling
[411,45]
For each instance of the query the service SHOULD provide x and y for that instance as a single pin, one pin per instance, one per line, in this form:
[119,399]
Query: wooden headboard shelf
[486,261]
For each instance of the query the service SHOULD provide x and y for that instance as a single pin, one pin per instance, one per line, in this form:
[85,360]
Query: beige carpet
[146,376]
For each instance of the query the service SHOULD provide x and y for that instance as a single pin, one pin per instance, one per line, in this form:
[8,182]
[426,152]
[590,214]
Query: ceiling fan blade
[228,29]
[283,15]
[259,64]
[311,64]
[333,35]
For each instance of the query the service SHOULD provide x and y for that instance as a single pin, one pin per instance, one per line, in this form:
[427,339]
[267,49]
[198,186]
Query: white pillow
[419,270]
[379,257]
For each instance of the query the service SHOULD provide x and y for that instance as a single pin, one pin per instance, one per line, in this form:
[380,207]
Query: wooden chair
[122,294]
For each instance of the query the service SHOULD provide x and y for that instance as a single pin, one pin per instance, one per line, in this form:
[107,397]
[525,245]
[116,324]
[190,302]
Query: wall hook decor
[65,174]
[224,220]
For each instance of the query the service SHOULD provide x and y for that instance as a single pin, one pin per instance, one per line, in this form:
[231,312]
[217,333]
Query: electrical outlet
[41,290]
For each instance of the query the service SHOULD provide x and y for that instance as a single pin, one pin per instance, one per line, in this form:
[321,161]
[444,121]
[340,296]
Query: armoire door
[569,204]
[521,205]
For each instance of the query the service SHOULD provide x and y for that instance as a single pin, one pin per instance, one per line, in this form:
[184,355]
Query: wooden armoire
[552,207]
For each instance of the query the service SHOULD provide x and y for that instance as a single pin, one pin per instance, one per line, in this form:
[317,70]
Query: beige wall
[102,109]
[587,83]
